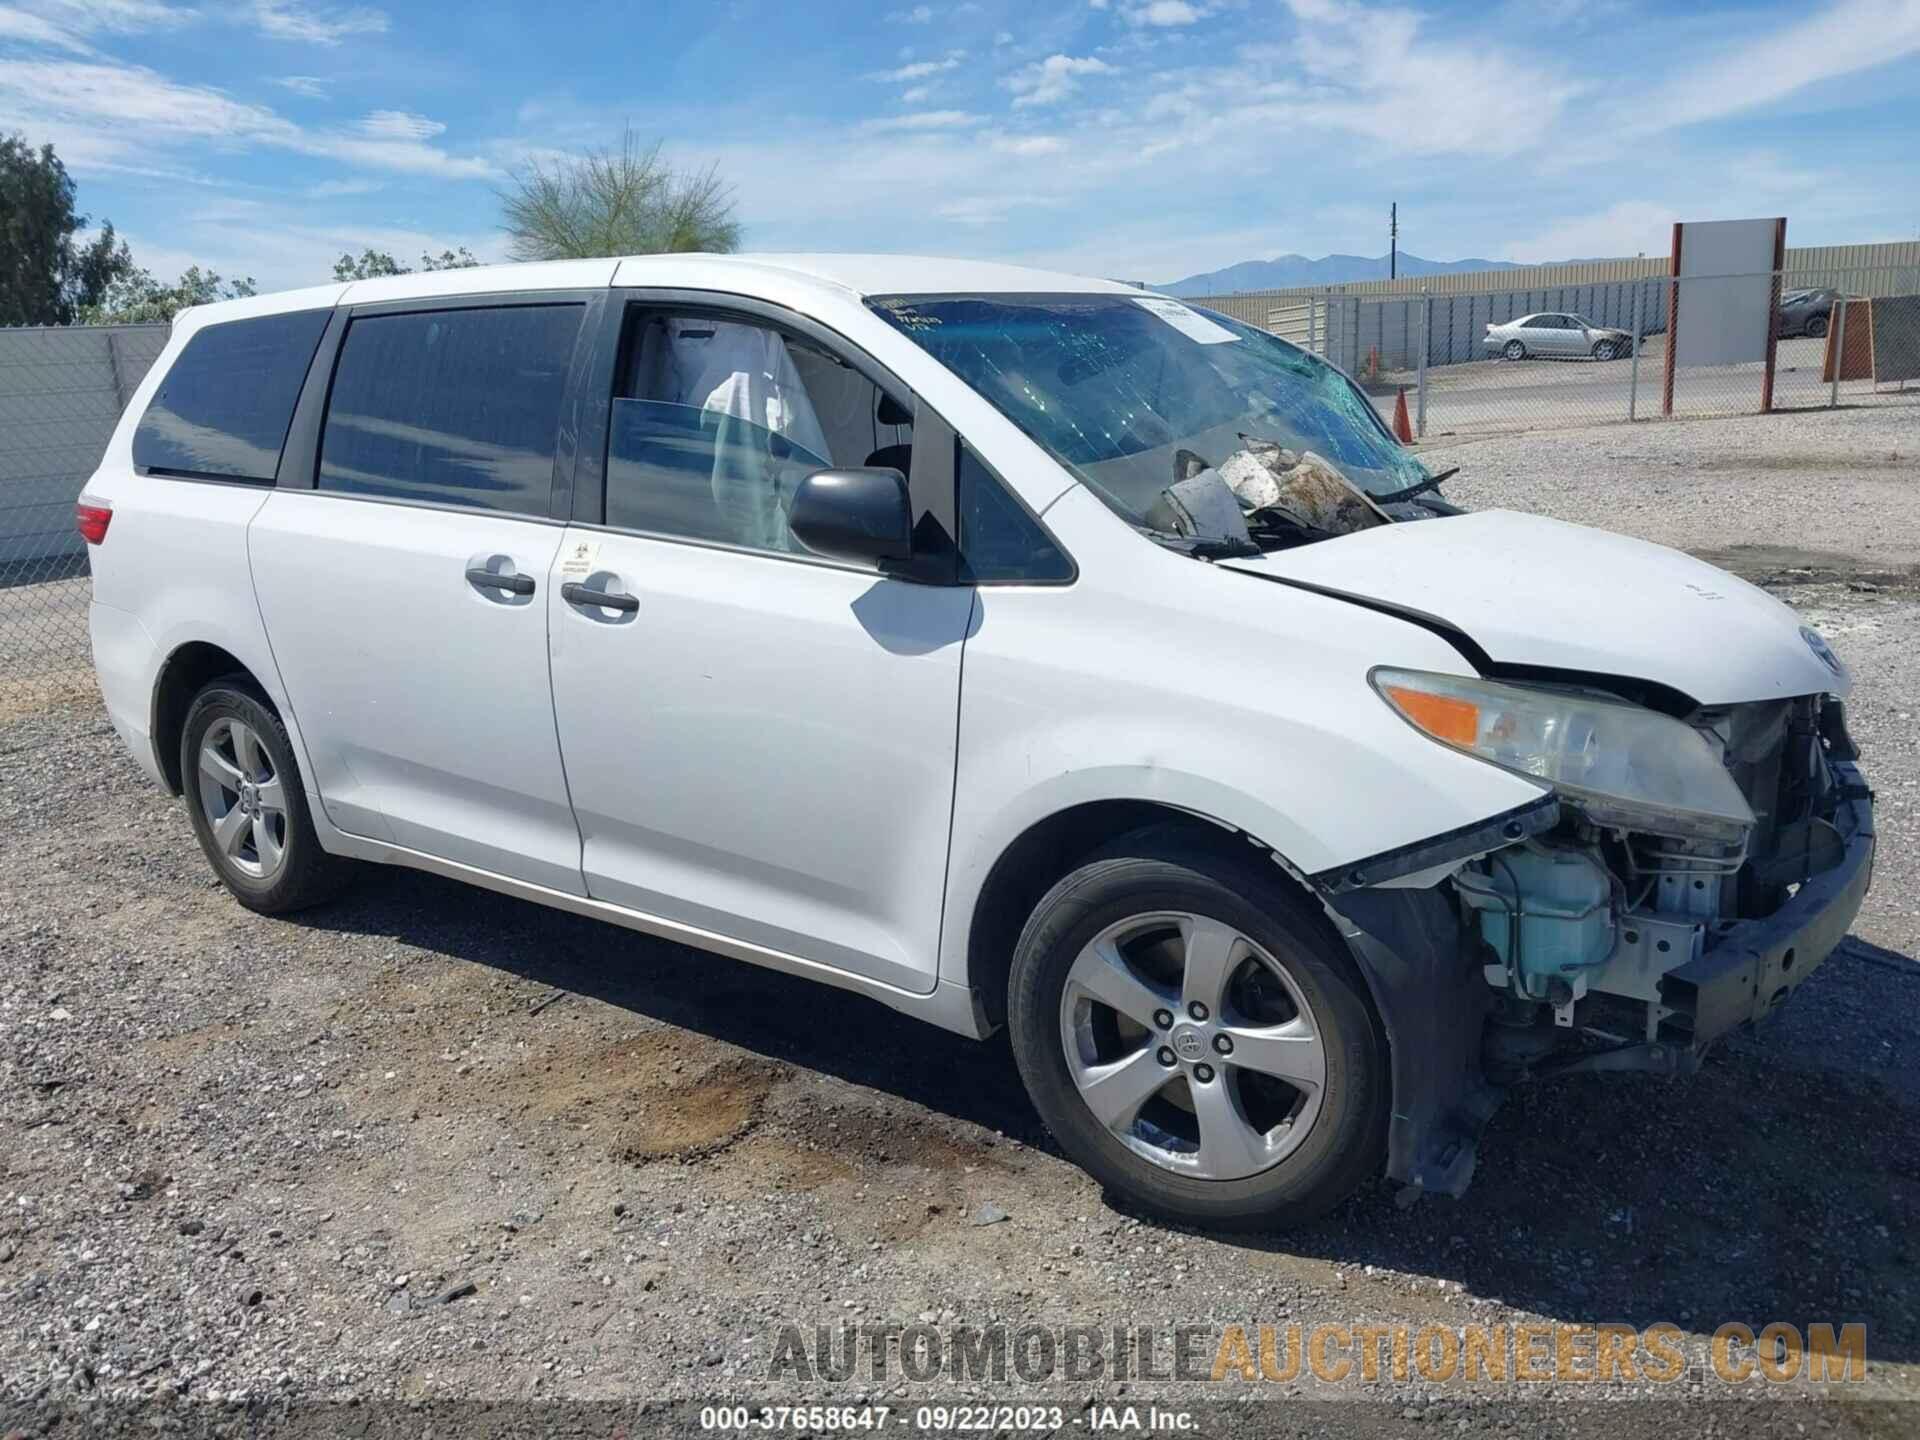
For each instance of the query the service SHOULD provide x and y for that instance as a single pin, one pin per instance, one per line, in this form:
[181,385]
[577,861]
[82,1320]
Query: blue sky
[1144,139]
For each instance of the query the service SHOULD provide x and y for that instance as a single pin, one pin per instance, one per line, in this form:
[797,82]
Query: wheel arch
[1052,846]
[184,673]
[1420,980]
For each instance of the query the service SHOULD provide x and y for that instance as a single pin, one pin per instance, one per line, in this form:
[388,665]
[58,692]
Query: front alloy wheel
[1192,1046]
[1197,1036]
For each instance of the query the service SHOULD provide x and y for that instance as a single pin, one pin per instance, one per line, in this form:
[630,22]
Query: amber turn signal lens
[1444,717]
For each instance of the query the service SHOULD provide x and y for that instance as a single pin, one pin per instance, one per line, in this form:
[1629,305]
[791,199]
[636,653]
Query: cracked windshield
[1132,393]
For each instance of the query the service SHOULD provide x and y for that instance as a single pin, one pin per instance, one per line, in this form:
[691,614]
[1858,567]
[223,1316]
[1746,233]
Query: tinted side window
[224,407]
[458,407]
[999,541]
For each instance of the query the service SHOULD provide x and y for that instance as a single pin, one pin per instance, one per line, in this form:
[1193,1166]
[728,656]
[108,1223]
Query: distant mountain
[1290,270]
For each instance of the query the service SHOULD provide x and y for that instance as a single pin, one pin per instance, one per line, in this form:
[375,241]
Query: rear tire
[247,804]
[1515,350]
[1273,1110]
[1817,326]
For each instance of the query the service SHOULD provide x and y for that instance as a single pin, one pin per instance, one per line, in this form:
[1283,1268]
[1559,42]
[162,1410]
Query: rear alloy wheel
[1817,326]
[1515,350]
[1605,349]
[1196,1039]
[247,805]
[243,798]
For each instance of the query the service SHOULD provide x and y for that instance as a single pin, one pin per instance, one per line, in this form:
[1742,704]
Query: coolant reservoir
[1562,901]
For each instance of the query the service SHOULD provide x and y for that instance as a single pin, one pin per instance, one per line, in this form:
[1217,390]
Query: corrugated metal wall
[61,393]
[1814,264]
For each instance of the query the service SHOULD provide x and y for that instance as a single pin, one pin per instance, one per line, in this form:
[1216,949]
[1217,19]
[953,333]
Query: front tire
[248,807]
[1604,350]
[1515,350]
[1197,1038]
[1817,327]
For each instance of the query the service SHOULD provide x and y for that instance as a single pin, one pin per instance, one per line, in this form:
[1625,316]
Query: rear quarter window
[223,408]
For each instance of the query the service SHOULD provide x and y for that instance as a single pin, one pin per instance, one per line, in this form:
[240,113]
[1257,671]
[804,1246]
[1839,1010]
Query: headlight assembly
[1622,765]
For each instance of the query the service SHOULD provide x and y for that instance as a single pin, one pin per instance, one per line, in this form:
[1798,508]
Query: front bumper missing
[1752,966]
[1424,972]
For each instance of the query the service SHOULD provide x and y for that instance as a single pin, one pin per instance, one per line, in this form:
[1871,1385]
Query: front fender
[1255,713]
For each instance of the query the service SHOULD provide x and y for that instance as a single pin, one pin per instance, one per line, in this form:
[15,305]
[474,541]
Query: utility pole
[1393,241]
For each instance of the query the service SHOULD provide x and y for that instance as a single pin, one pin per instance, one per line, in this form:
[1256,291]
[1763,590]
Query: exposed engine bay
[1600,940]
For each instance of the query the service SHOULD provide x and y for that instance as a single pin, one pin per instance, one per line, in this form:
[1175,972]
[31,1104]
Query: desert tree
[623,200]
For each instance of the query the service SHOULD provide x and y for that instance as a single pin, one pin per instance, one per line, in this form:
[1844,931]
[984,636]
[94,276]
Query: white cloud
[926,120]
[1048,81]
[1627,227]
[918,15]
[919,69]
[1166,13]
[1029,145]
[311,86]
[400,125]
[988,209]
[67,24]
[1375,74]
[331,189]
[104,115]
[917,94]
[1851,36]
[117,16]
[37,30]
[290,20]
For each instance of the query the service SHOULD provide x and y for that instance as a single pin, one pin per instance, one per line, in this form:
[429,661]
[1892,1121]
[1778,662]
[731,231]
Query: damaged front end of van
[1703,838]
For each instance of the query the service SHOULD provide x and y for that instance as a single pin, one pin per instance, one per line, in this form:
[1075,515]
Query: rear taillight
[91,521]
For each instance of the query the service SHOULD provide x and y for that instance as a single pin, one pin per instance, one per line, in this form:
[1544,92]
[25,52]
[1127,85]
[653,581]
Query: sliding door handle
[574,593]
[484,579]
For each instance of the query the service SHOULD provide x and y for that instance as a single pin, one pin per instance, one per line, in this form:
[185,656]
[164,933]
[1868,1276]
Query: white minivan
[1011,648]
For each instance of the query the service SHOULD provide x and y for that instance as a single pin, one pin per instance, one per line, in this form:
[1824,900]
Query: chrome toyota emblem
[1188,1044]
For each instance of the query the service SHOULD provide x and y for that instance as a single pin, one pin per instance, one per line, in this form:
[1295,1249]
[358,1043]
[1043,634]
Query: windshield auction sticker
[1190,323]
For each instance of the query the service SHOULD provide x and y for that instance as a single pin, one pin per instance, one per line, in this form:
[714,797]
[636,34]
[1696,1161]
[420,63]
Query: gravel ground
[432,1143]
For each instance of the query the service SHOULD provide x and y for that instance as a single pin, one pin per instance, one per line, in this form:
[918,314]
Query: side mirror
[859,515]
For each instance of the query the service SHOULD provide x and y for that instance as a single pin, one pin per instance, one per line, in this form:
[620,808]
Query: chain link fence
[61,393]
[1575,355]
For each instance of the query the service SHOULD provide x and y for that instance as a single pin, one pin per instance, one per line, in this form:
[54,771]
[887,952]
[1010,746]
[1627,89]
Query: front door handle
[574,593]
[484,579]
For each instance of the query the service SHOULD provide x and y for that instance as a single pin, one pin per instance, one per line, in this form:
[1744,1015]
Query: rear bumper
[125,662]
[1754,965]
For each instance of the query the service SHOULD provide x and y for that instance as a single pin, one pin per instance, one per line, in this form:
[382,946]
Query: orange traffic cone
[1401,425]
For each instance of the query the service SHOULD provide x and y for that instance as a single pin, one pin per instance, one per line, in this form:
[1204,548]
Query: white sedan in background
[1557,334]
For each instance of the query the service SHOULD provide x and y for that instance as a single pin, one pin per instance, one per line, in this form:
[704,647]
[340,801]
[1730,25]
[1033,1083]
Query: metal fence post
[1426,330]
[1633,380]
[1839,353]
[1313,324]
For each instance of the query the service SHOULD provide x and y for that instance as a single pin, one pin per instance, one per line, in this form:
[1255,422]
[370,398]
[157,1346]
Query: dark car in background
[1807,312]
